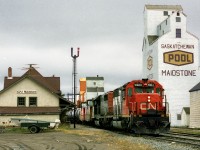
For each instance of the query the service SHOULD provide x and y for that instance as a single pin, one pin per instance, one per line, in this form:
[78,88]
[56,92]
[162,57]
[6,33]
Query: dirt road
[81,138]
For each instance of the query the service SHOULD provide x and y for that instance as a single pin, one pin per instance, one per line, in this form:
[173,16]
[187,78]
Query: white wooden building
[31,96]
[170,55]
[94,87]
[195,106]
[185,116]
[90,87]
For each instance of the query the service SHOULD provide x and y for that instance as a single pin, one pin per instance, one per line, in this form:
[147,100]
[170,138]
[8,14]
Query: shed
[185,116]
[195,106]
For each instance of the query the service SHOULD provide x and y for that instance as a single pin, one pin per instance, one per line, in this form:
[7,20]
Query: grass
[15,130]
[185,130]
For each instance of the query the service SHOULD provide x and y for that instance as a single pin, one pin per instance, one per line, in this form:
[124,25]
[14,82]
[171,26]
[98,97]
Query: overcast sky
[108,32]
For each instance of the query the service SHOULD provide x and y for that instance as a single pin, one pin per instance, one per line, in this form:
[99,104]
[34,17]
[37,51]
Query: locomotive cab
[148,108]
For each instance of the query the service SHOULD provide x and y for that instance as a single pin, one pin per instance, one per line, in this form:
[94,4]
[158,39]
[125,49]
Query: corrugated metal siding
[83,86]
[82,82]
[195,109]
[94,87]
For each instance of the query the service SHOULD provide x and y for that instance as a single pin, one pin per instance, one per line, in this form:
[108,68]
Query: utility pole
[74,74]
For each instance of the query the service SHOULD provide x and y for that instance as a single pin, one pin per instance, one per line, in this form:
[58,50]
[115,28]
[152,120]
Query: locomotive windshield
[140,88]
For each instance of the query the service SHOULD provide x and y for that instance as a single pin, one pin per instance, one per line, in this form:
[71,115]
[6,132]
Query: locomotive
[139,106]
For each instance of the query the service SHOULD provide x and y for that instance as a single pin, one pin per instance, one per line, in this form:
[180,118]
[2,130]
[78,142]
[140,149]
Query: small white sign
[27,92]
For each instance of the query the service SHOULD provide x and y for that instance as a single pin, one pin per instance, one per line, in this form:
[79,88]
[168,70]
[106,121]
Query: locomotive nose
[152,122]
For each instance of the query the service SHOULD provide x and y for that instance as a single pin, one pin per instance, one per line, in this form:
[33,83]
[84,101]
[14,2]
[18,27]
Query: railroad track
[183,138]
[192,140]
[184,134]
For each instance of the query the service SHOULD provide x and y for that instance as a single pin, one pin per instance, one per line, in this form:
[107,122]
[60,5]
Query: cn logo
[146,106]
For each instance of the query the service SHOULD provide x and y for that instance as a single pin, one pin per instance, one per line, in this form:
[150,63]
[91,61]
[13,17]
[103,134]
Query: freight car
[139,106]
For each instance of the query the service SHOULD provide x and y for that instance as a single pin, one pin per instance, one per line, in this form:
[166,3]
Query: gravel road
[82,138]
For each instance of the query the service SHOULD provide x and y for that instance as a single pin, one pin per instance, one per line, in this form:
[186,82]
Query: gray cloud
[109,33]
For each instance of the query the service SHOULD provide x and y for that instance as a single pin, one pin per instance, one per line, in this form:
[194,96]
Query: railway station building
[170,55]
[31,96]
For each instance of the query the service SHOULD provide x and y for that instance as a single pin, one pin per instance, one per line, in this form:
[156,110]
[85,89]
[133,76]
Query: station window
[32,101]
[165,13]
[178,116]
[21,101]
[178,19]
[178,14]
[178,33]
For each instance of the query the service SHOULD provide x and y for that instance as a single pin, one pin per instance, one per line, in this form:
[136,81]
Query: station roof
[187,110]
[195,88]
[51,83]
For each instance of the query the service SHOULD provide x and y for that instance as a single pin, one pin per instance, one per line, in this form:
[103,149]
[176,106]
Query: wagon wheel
[34,129]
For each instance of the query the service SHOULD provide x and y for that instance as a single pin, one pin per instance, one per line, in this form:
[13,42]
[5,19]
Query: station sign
[178,58]
[27,92]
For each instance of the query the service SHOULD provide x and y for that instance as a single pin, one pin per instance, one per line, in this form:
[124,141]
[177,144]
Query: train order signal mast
[74,77]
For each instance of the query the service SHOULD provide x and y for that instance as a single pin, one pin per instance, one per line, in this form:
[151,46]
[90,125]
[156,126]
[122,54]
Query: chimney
[9,73]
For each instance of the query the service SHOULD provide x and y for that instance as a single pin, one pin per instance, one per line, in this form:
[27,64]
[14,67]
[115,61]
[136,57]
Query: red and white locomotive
[139,106]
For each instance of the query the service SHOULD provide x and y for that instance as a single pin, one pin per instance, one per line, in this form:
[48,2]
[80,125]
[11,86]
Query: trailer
[34,126]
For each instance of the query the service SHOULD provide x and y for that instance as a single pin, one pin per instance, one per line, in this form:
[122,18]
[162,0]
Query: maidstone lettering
[177,46]
[178,72]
